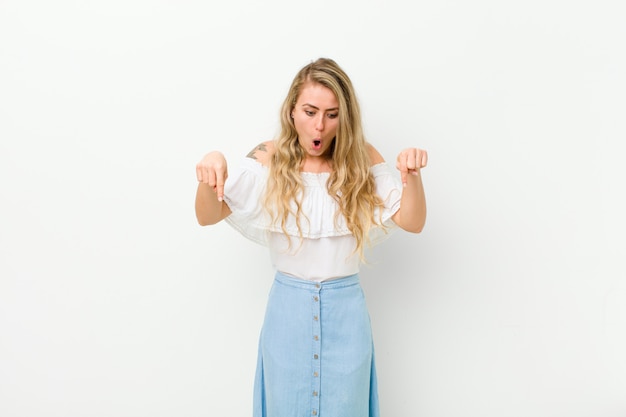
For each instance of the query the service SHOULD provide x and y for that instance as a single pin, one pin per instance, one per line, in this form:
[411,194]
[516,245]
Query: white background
[114,302]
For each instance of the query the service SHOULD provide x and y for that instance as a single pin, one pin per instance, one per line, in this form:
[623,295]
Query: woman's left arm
[412,213]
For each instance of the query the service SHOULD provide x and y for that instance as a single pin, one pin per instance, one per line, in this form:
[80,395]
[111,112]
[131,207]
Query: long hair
[350,182]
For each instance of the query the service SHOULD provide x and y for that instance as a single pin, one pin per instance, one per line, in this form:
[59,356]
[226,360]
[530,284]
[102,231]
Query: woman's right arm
[212,172]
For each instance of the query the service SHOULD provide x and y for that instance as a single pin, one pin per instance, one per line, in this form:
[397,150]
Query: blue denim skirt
[316,355]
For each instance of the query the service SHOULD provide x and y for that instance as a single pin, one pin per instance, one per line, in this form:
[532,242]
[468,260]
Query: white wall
[114,302]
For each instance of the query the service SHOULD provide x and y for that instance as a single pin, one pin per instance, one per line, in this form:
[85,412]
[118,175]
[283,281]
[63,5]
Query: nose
[319,122]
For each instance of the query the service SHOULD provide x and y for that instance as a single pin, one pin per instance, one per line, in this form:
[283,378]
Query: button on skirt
[316,356]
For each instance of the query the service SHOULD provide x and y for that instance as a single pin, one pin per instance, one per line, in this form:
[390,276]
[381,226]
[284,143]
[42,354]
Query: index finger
[220,179]
[401,166]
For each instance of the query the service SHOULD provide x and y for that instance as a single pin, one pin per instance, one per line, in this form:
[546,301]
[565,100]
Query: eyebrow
[317,108]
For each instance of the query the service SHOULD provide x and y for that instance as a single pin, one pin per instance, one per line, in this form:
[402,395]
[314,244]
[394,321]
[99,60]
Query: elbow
[205,221]
[414,228]
[209,217]
[412,224]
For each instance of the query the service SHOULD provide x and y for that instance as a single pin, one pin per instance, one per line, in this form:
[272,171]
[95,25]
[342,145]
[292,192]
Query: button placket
[316,351]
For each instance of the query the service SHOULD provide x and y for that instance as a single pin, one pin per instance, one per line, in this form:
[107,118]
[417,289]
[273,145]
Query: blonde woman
[317,195]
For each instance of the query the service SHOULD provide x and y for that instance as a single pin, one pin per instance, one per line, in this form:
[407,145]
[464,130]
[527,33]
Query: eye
[333,115]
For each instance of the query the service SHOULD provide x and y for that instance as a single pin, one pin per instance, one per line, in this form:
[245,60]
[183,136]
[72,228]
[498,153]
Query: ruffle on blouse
[245,186]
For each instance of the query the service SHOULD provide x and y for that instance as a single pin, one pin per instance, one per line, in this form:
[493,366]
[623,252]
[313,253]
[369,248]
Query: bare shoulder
[375,156]
[262,152]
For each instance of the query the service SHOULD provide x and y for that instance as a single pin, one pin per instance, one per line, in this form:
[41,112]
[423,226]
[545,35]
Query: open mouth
[317,144]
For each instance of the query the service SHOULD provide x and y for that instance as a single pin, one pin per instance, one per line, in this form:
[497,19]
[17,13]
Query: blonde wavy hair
[350,183]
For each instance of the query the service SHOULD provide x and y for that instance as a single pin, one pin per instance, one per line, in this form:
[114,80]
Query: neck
[316,164]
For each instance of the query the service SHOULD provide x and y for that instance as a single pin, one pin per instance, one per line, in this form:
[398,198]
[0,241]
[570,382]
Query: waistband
[336,283]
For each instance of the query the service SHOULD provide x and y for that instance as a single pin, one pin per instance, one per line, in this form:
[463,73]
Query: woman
[317,196]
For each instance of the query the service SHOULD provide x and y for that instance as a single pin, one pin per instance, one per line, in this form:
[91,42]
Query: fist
[213,170]
[410,161]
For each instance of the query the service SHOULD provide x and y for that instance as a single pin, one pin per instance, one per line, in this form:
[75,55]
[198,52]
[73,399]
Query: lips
[317,144]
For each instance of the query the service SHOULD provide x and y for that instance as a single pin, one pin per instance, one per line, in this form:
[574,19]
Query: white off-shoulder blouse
[327,248]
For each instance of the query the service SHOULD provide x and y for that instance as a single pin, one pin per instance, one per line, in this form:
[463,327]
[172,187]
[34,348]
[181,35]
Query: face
[316,117]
